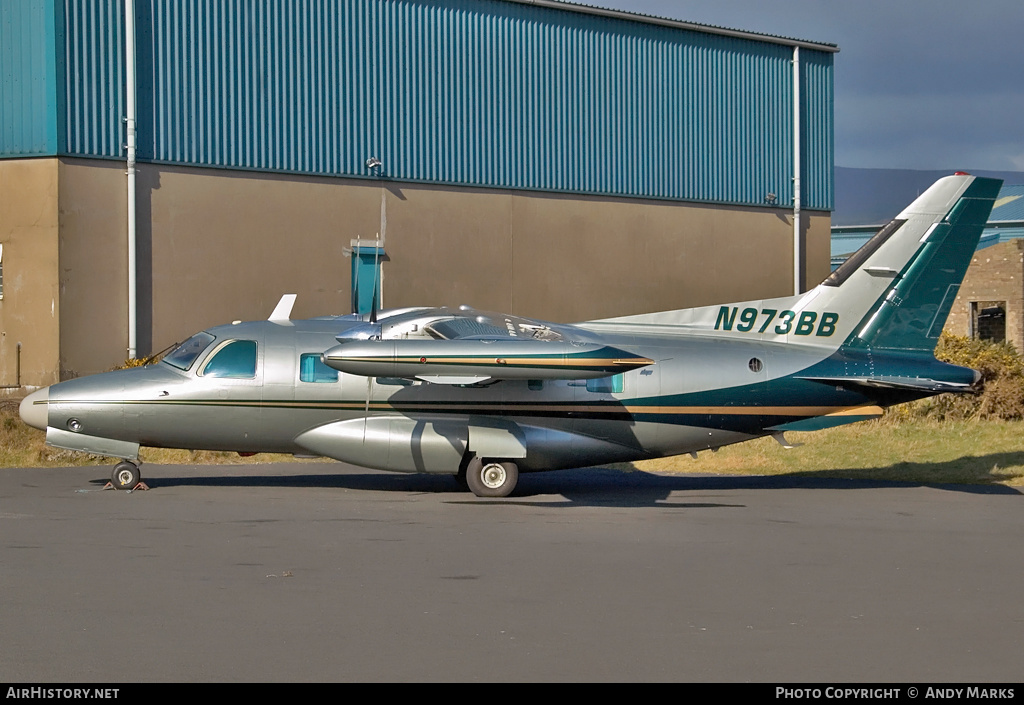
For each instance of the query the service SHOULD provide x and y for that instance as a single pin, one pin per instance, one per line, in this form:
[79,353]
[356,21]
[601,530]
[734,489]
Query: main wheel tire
[125,476]
[490,478]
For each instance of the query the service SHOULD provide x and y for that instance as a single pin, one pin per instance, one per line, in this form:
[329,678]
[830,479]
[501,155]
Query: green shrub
[135,362]
[1000,392]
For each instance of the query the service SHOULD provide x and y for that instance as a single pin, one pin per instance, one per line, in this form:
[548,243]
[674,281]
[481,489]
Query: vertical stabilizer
[924,253]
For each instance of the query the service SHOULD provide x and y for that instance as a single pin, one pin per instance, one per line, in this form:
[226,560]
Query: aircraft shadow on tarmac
[599,485]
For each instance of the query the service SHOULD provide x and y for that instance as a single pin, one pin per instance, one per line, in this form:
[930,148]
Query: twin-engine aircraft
[484,396]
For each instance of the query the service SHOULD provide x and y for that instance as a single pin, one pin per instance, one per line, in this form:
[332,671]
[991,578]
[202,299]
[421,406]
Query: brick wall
[996,274]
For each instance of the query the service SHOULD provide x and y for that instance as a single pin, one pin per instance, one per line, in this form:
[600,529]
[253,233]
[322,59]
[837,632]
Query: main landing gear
[489,478]
[126,476]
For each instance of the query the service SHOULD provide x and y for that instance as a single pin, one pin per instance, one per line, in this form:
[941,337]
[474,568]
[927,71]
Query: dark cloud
[920,84]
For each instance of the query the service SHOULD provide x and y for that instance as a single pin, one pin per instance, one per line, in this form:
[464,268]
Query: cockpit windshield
[185,354]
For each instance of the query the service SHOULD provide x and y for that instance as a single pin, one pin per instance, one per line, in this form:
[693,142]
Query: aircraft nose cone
[33,409]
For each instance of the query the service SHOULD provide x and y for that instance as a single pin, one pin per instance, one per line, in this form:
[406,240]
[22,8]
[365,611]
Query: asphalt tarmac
[326,572]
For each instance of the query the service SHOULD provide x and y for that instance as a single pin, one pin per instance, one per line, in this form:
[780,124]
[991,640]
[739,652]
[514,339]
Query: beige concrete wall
[93,266]
[30,309]
[573,258]
[217,245]
[817,244]
[226,245]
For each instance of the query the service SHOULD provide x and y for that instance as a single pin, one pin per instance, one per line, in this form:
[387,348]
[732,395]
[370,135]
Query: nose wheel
[126,476]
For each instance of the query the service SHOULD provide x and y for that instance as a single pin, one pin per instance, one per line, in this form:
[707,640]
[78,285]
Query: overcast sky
[919,84]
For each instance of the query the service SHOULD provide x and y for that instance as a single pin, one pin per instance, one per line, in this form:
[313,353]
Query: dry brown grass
[919,450]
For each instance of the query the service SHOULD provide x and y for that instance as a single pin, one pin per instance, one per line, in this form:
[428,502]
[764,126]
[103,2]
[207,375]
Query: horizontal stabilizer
[919,384]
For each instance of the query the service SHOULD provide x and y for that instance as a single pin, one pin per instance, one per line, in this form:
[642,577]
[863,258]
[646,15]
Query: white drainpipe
[129,58]
[798,284]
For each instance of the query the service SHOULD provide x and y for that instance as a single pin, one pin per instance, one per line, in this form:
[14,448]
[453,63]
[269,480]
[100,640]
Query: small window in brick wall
[988,321]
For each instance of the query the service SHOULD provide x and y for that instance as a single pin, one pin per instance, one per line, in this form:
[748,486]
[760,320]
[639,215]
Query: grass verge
[919,450]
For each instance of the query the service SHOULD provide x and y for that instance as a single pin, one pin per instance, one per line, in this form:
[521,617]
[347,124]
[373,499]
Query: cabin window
[535,384]
[606,385]
[185,354]
[312,369]
[988,321]
[236,360]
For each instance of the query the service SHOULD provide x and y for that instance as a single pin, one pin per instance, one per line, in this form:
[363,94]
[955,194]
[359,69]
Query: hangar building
[528,156]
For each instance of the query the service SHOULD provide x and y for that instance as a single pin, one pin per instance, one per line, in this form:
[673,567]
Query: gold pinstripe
[869,410]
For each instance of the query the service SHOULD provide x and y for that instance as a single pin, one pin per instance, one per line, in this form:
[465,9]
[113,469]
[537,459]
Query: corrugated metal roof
[680,24]
[1010,204]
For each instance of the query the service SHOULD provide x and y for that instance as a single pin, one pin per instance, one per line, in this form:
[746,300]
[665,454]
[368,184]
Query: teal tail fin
[897,292]
[925,253]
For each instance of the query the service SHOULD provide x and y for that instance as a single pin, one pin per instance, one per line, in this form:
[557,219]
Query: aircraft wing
[466,346]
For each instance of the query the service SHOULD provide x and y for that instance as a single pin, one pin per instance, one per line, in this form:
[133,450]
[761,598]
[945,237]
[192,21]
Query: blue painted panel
[366,278]
[29,105]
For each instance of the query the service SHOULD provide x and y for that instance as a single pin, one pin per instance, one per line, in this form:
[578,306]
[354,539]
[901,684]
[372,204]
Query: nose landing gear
[126,476]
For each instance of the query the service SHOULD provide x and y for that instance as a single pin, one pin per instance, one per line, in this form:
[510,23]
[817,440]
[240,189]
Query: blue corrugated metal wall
[473,92]
[94,87]
[817,118]
[29,79]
